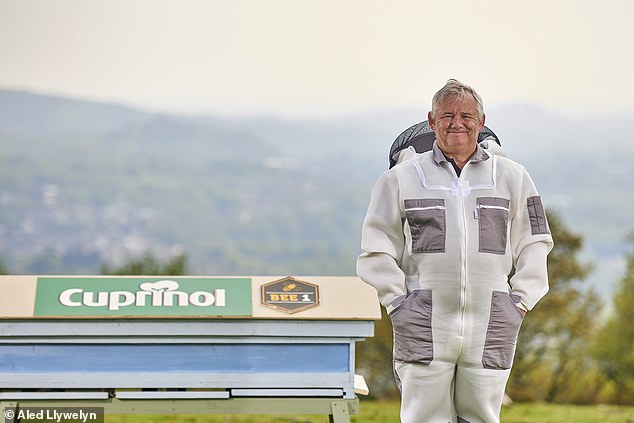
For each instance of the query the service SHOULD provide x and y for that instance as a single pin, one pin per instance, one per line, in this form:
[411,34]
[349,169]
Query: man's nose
[456,122]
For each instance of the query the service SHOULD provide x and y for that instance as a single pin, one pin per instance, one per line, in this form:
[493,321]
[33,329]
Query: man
[443,232]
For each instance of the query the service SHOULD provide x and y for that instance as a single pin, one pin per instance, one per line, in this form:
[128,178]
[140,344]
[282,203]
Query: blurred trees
[374,360]
[149,265]
[552,360]
[614,348]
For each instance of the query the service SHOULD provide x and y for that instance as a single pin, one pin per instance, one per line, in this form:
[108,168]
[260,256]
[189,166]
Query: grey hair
[455,88]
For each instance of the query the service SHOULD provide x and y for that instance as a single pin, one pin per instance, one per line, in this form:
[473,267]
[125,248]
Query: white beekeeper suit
[439,248]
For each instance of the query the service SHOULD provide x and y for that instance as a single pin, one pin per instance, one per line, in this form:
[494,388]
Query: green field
[387,412]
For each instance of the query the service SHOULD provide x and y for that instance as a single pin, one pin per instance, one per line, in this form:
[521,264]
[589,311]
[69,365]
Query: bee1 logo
[290,295]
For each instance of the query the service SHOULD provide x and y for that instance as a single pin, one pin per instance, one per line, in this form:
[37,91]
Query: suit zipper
[463,262]
[463,270]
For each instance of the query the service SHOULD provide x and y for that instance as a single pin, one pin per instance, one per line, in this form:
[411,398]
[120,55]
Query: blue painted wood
[220,358]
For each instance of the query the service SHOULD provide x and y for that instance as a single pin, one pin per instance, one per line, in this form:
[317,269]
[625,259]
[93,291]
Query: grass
[555,413]
[387,412]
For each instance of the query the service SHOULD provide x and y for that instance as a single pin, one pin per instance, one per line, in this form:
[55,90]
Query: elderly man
[443,232]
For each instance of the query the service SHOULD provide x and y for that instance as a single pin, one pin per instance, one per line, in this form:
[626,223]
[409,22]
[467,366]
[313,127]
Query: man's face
[457,125]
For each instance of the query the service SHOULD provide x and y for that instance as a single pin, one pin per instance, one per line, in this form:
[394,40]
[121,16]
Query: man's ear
[483,119]
[431,122]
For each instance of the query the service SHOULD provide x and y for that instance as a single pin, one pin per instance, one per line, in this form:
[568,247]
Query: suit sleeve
[531,242]
[382,242]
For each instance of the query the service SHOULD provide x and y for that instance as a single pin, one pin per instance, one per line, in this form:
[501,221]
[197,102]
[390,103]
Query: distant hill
[85,183]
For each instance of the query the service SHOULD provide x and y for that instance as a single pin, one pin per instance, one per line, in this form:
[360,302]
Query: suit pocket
[504,326]
[427,222]
[411,322]
[493,222]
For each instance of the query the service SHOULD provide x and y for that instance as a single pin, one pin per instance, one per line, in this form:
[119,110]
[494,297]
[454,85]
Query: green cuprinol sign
[112,296]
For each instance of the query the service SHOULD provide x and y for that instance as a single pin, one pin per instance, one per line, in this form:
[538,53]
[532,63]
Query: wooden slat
[105,328]
[287,393]
[171,395]
[67,395]
[202,380]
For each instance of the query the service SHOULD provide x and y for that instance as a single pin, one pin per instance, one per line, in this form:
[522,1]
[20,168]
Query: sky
[321,57]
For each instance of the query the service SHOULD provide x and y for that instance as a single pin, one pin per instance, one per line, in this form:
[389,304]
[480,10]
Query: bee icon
[289,287]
